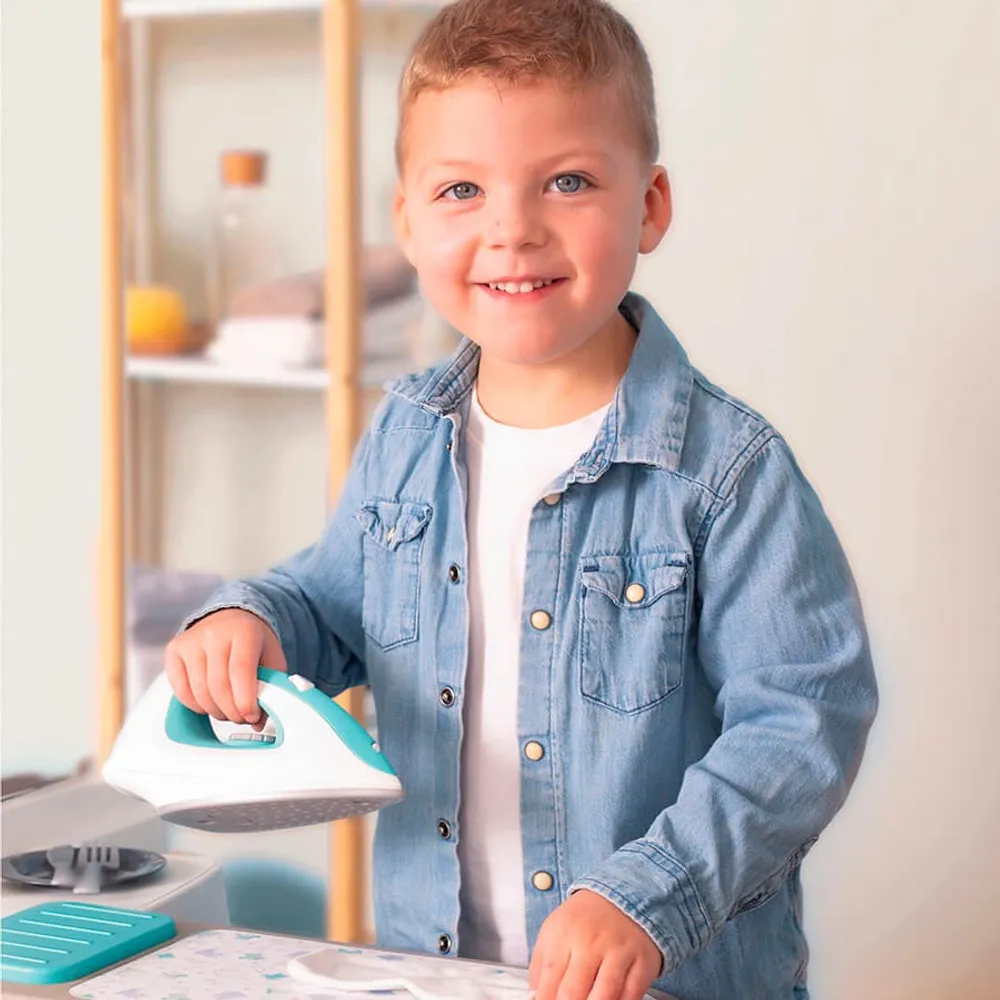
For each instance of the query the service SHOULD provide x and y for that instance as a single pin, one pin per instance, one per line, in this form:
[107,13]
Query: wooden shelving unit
[343,379]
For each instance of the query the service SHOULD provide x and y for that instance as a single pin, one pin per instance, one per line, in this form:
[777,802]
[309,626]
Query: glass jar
[243,251]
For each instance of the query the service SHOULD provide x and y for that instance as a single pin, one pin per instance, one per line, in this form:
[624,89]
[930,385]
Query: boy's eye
[462,191]
[570,183]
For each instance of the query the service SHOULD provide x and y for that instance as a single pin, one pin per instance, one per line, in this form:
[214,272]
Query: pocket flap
[391,524]
[635,581]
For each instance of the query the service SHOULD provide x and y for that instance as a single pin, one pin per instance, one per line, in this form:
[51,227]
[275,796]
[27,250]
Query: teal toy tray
[62,941]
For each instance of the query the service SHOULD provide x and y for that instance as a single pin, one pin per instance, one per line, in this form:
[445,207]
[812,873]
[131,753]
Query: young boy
[615,648]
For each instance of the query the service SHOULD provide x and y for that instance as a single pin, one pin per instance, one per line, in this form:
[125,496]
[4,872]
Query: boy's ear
[401,224]
[657,211]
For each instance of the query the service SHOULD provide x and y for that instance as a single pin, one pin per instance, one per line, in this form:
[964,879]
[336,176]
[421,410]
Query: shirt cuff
[655,890]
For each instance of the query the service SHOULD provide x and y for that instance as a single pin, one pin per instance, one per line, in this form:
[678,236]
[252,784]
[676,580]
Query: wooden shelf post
[341,44]
[111,657]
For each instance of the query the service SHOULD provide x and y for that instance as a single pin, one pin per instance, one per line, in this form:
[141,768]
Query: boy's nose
[514,223]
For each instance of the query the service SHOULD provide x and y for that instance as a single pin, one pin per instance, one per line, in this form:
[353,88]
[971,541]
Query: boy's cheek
[611,257]
[443,281]
[442,255]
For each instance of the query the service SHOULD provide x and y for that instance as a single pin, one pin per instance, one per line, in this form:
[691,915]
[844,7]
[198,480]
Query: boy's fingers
[549,972]
[219,686]
[177,675]
[197,674]
[635,985]
[245,655]
[578,979]
[610,982]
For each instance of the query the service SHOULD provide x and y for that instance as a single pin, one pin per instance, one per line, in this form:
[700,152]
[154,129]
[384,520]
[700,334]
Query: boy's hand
[212,667]
[589,950]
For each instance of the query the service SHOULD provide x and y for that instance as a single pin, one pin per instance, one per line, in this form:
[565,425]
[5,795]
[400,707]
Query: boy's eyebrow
[547,164]
[447,165]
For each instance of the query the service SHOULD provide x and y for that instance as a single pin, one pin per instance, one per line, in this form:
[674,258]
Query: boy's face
[521,186]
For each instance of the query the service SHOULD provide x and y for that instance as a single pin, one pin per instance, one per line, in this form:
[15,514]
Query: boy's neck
[563,390]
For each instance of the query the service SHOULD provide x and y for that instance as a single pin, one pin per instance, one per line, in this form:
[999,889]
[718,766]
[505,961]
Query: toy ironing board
[228,964]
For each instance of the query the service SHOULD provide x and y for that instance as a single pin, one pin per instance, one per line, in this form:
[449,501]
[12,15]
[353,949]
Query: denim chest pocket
[633,620]
[393,540]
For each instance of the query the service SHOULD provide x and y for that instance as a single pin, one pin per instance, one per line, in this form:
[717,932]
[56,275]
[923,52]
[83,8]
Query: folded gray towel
[386,272]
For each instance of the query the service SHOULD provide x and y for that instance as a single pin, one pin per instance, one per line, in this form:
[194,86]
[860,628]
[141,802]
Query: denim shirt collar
[647,418]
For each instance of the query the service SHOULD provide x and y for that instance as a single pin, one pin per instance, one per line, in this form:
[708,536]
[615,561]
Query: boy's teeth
[519,287]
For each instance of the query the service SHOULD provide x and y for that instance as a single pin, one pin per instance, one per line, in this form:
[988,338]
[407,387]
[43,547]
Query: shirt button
[552,499]
[447,697]
[635,593]
[444,829]
[444,943]
[542,881]
[454,574]
[534,751]
[540,620]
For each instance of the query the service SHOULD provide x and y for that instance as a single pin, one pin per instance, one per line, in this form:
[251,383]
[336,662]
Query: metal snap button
[552,499]
[540,620]
[635,593]
[454,574]
[444,943]
[447,697]
[534,751]
[444,829]
[542,881]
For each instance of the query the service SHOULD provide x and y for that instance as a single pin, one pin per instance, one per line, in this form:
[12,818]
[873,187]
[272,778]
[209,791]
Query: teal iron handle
[195,729]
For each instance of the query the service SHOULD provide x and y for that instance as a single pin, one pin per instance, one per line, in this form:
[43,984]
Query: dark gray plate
[32,868]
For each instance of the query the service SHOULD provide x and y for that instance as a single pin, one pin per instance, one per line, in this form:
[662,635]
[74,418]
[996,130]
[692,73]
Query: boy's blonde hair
[573,42]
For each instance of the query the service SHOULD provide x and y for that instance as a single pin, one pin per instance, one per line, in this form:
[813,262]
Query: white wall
[833,260]
[49,425]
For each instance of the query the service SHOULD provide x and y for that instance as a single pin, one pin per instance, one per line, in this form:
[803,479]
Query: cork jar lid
[243,167]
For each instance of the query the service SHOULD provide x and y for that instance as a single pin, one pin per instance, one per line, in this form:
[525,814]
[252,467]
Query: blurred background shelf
[136,10]
[199,369]
[391,346]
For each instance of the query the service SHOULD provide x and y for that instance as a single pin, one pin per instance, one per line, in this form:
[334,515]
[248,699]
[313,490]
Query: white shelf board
[140,9]
[386,353]
[199,369]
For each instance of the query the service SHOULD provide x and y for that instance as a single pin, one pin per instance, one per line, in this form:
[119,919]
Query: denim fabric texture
[697,693]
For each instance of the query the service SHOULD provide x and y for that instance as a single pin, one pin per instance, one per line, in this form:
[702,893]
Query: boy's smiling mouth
[526,287]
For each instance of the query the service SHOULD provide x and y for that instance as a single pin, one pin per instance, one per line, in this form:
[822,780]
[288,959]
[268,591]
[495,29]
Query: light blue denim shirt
[696,696]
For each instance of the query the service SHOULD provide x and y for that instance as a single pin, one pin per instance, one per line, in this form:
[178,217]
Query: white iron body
[311,775]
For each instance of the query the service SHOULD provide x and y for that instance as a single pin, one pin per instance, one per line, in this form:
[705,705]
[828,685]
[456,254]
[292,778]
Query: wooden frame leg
[341,43]
[112,564]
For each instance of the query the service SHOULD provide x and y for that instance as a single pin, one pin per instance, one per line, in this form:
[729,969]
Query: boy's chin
[530,351]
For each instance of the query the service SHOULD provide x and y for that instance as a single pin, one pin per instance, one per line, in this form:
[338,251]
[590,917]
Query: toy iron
[314,762]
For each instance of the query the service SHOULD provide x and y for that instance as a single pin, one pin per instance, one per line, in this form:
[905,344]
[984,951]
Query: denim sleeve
[782,640]
[313,601]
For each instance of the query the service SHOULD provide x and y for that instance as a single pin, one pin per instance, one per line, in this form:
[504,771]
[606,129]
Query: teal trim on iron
[355,737]
[195,729]
[185,726]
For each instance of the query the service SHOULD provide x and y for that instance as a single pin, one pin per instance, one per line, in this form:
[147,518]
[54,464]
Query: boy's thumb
[272,655]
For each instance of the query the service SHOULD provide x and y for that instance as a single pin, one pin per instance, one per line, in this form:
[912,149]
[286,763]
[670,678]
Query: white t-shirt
[509,471]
